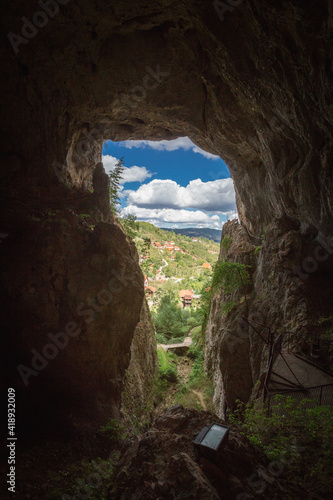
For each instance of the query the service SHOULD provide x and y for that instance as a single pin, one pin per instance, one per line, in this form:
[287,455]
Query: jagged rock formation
[161,464]
[252,83]
[137,399]
[230,359]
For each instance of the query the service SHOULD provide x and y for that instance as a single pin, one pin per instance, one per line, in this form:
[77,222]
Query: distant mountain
[198,232]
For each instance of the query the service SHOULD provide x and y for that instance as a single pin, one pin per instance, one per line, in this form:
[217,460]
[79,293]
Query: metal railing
[315,396]
[275,350]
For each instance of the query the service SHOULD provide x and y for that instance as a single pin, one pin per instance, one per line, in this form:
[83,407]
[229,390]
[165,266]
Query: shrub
[226,242]
[161,339]
[114,431]
[167,366]
[169,318]
[296,435]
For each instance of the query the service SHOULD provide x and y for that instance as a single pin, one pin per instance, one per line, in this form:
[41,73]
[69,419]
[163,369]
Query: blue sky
[172,183]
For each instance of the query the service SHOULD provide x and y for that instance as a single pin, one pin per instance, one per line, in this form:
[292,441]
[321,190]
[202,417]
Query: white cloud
[180,143]
[130,174]
[233,215]
[212,196]
[165,216]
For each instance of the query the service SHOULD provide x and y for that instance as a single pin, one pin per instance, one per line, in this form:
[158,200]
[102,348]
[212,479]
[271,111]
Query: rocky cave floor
[158,464]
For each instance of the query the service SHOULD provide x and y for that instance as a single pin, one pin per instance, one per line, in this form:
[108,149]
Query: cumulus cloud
[212,196]
[166,216]
[233,215]
[130,174]
[180,143]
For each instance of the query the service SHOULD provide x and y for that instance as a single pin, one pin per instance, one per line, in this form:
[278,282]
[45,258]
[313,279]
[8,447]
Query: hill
[211,234]
[165,255]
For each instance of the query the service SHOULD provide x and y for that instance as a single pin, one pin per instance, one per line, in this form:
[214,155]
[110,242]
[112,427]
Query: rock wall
[252,83]
[137,400]
[74,292]
[291,291]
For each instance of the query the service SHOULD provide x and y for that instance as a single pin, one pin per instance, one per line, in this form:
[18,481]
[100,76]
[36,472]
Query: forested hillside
[173,255]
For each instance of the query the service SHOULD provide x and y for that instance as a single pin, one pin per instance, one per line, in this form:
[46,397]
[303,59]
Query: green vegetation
[130,225]
[170,320]
[92,480]
[226,242]
[185,263]
[297,437]
[198,391]
[209,233]
[229,277]
[115,177]
[167,365]
[114,431]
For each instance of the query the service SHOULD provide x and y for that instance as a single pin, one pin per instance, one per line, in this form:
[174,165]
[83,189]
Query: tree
[146,246]
[115,176]
[169,319]
[130,225]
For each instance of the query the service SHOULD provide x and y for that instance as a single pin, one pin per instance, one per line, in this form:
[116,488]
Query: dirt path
[201,399]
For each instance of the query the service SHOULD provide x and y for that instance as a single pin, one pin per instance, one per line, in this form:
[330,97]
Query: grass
[162,358]
[198,381]
[167,365]
[189,399]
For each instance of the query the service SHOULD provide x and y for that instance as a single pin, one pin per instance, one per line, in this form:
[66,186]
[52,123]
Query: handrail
[251,322]
[302,390]
[271,362]
[268,374]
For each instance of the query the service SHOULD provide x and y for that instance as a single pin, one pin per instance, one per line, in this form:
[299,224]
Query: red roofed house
[149,291]
[206,265]
[186,297]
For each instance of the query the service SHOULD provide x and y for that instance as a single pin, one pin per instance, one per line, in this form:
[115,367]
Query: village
[153,281]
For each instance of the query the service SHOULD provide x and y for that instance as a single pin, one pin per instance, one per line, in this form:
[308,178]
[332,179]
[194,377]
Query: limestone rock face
[290,291]
[138,393]
[252,84]
[229,356]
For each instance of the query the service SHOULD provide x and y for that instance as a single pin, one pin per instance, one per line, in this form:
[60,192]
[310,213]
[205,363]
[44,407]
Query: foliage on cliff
[297,437]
